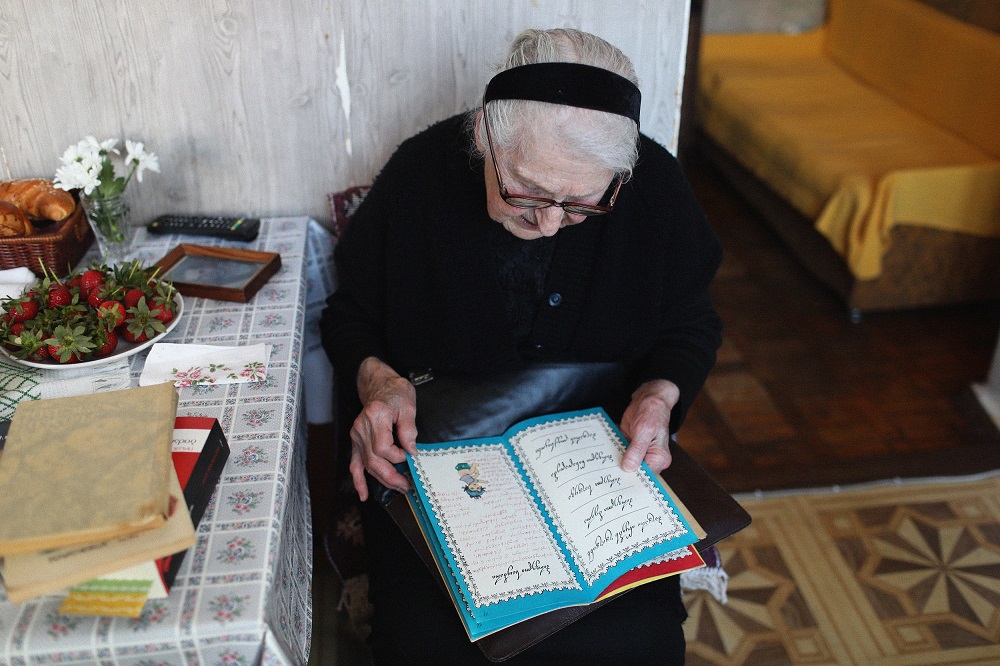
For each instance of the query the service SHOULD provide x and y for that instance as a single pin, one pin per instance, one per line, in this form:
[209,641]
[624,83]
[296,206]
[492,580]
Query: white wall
[789,16]
[263,106]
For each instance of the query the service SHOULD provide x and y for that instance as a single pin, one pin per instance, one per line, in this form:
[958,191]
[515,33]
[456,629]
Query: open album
[543,517]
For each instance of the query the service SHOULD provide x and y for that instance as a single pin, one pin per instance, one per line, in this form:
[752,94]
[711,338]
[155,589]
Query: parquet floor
[891,573]
[803,397]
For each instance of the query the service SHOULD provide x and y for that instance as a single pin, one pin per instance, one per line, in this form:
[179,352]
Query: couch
[871,144]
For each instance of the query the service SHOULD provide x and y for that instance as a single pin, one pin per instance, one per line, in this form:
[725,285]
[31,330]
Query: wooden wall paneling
[263,106]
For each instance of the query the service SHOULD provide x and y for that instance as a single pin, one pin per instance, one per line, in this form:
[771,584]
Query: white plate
[123,350]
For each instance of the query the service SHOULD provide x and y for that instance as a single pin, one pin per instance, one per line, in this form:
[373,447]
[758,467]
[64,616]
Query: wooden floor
[801,397]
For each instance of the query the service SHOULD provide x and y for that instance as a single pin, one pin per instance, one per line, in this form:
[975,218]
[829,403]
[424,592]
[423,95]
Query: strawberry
[13,342]
[40,354]
[30,345]
[96,297]
[91,279]
[130,335]
[84,315]
[65,357]
[132,297]
[112,312]
[163,315]
[58,295]
[23,310]
[141,323]
[107,341]
[163,300]
[69,344]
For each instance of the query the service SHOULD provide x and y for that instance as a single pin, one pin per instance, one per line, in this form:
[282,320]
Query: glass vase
[108,217]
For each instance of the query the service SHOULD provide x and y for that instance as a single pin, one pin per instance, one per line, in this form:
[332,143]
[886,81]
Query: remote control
[231,228]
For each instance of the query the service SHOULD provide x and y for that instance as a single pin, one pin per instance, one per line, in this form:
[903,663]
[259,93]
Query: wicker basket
[60,246]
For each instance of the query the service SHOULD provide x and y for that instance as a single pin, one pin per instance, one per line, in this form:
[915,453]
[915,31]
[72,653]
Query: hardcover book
[29,575]
[544,518]
[87,468]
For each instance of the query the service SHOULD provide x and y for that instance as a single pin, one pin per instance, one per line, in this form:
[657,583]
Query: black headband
[569,83]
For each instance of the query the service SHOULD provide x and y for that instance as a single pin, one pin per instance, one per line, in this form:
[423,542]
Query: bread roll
[13,221]
[38,198]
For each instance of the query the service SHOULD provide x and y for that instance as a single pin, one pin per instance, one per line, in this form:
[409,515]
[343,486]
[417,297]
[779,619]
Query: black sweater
[417,282]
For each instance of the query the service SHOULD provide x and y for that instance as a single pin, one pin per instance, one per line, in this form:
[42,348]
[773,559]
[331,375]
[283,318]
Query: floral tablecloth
[243,595]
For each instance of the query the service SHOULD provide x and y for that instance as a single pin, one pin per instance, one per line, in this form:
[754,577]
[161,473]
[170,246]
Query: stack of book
[102,494]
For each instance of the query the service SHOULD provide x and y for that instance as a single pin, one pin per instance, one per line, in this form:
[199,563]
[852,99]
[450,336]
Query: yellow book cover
[87,468]
[29,575]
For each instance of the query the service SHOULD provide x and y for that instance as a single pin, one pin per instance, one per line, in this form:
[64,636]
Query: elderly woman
[540,227]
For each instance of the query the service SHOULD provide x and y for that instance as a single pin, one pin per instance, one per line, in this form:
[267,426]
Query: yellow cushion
[934,65]
[838,150]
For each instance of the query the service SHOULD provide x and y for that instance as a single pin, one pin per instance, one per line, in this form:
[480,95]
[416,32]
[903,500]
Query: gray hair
[605,138]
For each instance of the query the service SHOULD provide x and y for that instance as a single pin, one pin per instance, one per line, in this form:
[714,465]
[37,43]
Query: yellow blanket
[842,151]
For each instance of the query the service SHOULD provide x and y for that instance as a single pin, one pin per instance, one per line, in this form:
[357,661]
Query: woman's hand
[646,425]
[390,405]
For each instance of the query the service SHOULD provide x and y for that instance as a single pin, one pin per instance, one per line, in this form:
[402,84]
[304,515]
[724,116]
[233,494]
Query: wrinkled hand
[390,405]
[646,425]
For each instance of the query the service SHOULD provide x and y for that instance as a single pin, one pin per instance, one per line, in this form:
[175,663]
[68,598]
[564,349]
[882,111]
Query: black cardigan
[417,285]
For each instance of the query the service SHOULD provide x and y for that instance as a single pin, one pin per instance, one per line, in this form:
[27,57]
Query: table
[243,594]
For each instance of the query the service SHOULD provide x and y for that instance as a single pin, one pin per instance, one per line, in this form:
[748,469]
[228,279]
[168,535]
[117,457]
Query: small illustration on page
[468,474]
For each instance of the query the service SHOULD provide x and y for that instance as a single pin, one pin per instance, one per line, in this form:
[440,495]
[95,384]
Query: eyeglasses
[527,201]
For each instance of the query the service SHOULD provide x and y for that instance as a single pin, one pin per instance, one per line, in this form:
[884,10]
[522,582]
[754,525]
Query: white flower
[78,175]
[133,150]
[85,163]
[142,160]
[81,170]
[76,153]
[100,147]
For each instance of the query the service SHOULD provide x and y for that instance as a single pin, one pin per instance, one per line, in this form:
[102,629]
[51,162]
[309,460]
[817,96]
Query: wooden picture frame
[222,273]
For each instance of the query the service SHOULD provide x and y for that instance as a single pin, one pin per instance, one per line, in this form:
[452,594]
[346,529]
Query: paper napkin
[198,365]
[13,281]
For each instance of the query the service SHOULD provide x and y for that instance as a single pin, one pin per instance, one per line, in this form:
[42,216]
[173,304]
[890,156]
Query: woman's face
[545,169]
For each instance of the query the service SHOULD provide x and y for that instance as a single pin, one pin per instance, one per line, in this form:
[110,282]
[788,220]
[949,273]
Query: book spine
[198,489]
[206,473]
